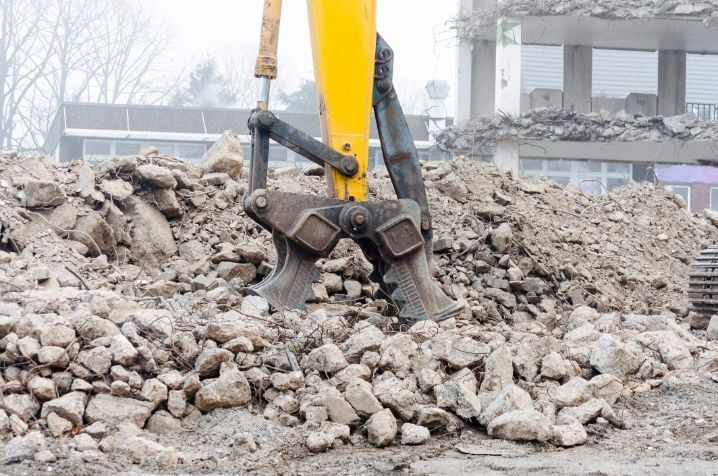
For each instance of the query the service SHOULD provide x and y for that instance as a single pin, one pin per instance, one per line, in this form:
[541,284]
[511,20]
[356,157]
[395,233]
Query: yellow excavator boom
[343,34]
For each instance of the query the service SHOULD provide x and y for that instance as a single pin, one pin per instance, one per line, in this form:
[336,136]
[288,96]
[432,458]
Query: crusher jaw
[395,235]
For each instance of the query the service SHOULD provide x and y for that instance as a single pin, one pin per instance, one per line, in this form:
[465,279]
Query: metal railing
[705,112]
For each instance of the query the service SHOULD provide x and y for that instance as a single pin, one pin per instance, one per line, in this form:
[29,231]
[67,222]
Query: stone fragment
[712,331]
[209,361]
[584,413]
[319,441]
[123,352]
[153,390]
[611,356]
[97,360]
[499,371]
[435,418]
[152,239]
[139,450]
[118,189]
[93,231]
[165,200]
[112,410]
[26,445]
[57,425]
[368,337]
[41,193]
[158,176]
[510,398]
[360,396]
[163,423]
[42,388]
[177,403]
[23,405]
[501,238]
[521,425]
[339,410]
[414,434]
[84,442]
[573,393]
[555,366]
[381,428]
[225,156]
[569,435]
[391,393]
[57,336]
[607,387]
[327,358]
[231,389]
[458,351]
[457,397]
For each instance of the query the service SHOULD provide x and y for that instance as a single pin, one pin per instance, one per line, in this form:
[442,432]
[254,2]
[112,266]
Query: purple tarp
[687,174]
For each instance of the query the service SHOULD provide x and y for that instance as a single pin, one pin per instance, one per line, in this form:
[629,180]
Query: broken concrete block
[521,425]
[225,156]
[158,176]
[381,428]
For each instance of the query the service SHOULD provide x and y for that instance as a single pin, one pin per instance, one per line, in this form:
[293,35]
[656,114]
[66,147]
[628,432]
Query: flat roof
[192,123]
[649,34]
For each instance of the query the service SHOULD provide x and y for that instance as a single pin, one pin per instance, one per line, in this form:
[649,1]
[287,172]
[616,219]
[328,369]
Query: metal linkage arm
[263,122]
[400,156]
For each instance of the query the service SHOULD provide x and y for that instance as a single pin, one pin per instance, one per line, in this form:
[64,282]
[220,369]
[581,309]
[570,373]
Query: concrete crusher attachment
[354,70]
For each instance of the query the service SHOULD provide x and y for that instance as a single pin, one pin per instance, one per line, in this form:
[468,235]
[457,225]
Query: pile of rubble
[123,316]
[555,124]
[482,20]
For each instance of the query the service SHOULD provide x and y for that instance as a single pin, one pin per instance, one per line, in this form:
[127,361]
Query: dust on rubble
[126,336]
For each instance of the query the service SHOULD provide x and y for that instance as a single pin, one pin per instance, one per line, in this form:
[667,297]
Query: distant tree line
[112,52]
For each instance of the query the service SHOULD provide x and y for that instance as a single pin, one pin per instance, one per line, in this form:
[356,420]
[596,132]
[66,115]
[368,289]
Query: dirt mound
[123,321]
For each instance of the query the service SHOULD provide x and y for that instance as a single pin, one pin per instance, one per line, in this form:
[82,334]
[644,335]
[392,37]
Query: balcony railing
[705,112]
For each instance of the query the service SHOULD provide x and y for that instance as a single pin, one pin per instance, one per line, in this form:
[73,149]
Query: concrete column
[671,82]
[508,86]
[464,70]
[483,89]
[577,77]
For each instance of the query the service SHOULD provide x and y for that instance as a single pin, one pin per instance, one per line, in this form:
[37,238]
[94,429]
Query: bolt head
[261,202]
[359,219]
[347,146]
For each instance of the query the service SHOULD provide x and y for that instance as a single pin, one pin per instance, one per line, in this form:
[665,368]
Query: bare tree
[51,51]
[238,67]
[27,44]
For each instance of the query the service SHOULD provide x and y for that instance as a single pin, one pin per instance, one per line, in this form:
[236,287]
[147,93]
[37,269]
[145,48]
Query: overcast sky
[417,30]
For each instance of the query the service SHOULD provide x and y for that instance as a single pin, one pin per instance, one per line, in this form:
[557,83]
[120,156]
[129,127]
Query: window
[558,165]
[592,177]
[531,164]
[684,191]
[614,183]
[98,147]
[127,148]
[190,151]
[714,199]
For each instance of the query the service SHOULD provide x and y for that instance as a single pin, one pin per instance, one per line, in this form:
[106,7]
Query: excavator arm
[354,72]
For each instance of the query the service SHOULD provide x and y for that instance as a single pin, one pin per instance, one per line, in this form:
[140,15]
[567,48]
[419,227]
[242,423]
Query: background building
[98,131]
[518,55]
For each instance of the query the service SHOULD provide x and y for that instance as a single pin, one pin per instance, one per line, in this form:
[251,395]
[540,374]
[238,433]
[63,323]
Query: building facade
[95,132]
[516,55]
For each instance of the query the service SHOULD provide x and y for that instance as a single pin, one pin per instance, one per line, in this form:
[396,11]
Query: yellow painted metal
[266,66]
[343,45]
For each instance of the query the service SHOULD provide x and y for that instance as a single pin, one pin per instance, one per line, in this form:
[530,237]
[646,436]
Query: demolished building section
[124,322]
[555,124]
[482,19]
